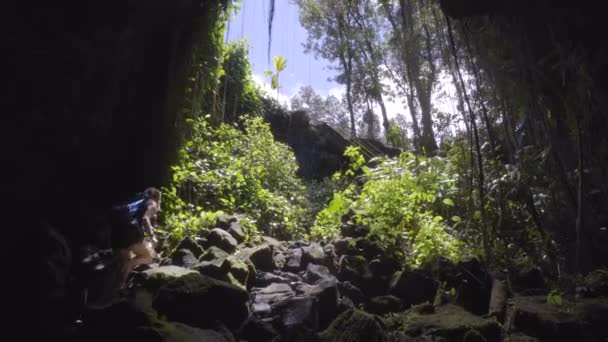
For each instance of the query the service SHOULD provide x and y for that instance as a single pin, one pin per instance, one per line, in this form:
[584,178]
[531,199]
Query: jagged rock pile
[217,288]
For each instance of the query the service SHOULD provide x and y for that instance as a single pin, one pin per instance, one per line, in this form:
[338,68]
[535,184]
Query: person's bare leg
[142,254]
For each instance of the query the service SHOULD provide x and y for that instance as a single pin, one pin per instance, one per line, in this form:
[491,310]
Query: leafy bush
[235,171]
[405,200]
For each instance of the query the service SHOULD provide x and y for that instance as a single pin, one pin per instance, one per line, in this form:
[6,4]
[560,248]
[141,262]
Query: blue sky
[287,39]
[288,35]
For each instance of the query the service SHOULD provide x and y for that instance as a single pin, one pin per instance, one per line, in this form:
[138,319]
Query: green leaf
[448,202]
[456,218]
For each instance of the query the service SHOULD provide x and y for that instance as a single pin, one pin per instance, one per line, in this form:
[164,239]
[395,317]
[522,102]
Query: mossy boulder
[224,267]
[450,322]
[261,256]
[191,245]
[596,283]
[199,301]
[355,269]
[382,305]
[413,287]
[354,326]
[154,278]
[178,332]
[222,239]
[570,321]
[183,258]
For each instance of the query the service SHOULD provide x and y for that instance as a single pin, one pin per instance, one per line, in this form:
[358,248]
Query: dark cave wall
[97,91]
[554,57]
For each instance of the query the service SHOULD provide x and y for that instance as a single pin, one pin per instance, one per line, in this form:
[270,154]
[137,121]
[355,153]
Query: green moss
[448,321]
[354,326]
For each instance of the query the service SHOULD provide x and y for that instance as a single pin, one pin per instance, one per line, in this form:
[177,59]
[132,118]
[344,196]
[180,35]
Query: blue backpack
[134,209]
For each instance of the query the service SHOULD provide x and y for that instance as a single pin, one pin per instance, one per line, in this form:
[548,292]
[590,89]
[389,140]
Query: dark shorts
[124,233]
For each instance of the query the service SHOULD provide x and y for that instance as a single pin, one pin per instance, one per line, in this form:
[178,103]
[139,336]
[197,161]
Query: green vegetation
[235,171]
[404,201]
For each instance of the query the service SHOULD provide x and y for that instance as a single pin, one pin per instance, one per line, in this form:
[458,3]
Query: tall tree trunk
[484,233]
[579,207]
[429,143]
[412,48]
[347,65]
[405,75]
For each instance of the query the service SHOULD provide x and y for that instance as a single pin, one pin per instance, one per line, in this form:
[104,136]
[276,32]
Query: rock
[315,273]
[583,321]
[330,259]
[352,292]
[345,246]
[528,278]
[449,322]
[223,220]
[177,332]
[222,239]
[200,301]
[382,305]
[219,265]
[518,337]
[596,283]
[230,223]
[325,289]
[259,329]
[384,267]
[121,317]
[213,253]
[288,275]
[236,231]
[413,287]
[354,326]
[183,258]
[261,256]
[298,319]
[355,269]
[293,258]
[344,303]
[279,260]
[369,248]
[264,299]
[202,241]
[166,262]
[297,244]
[382,270]
[155,278]
[263,279]
[313,254]
[354,230]
[473,336]
[271,242]
[238,271]
[191,245]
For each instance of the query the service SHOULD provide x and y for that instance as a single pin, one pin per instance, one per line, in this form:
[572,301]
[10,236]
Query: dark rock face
[585,320]
[293,260]
[355,269]
[383,304]
[318,148]
[529,278]
[183,300]
[191,245]
[446,323]
[230,223]
[261,256]
[222,239]
[413,287]
[183,258]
